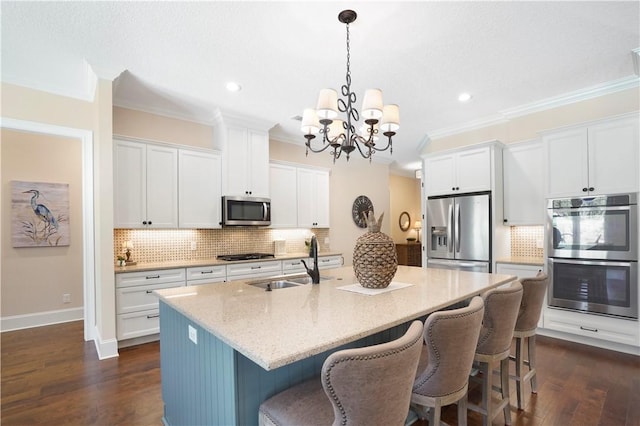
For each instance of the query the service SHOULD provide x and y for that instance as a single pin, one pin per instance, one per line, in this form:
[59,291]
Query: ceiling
[175,57]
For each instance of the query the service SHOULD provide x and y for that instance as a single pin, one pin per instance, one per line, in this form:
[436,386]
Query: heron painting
[40,214]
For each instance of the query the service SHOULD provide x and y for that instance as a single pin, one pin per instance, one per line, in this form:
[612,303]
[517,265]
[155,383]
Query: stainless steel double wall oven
[593,254]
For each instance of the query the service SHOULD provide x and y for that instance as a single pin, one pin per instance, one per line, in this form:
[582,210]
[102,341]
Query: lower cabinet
[206,274]
[136,305]
[409,254]
[616,330]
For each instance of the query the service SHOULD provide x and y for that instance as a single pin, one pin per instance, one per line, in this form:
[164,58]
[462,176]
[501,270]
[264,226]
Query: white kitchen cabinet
[313,198]
[248,270]
[598,158]
[137,312]
[295,266]
[468,170]
[600,327]
[284,197]
[145,185]
[206,274]
[200,189]
[246,157]
[523,194]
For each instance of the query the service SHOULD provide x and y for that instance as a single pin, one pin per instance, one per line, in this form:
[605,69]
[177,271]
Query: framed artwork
[39,214]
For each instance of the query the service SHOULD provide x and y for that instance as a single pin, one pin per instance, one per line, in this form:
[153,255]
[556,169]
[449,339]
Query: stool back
[501,306]
[534,289]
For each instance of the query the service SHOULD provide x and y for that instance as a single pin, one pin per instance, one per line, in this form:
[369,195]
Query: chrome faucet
[313,252]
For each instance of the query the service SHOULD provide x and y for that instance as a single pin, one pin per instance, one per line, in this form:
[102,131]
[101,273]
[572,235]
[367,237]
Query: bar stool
[534,290]
[370,385]
[501,307]
[445,362]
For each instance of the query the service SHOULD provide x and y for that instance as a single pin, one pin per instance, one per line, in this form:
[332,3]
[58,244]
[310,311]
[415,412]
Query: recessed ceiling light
[464,97]
[233,87]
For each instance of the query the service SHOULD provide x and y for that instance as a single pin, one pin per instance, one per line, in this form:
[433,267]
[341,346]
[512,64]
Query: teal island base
[210,383]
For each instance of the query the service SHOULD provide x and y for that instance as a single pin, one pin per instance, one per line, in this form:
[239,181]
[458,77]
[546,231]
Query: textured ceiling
[179,55]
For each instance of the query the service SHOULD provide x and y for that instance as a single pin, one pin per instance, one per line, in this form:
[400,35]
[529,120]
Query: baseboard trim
[105,348]
[40,319]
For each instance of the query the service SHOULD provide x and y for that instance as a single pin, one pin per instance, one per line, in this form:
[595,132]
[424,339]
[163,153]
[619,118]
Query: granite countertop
[521,260]
[150,266]
[280,327]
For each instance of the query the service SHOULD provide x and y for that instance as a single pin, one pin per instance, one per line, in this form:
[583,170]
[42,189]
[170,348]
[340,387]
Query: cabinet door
[523,184]
[259,163]
[130,184]
[613,157]
[284,206]
[305,197]
[473,170]
[567,163]
[162,187]
[440,175]
[200,189]
[237,163]
[321,199]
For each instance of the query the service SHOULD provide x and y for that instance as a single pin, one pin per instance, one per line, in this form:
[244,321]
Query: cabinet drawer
[161,276]
[596,326]
[254,268]
[291,266]
[138,298]
[330,262]
[210,273]
[138,324]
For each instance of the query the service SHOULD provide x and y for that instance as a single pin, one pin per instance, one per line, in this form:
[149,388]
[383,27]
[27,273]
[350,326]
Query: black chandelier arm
[357,145]
[308,144]
[389,145]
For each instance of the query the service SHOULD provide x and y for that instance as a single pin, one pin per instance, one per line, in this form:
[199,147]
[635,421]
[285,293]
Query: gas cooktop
[245,256]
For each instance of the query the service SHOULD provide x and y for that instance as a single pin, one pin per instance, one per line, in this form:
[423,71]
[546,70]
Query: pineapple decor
[375,261]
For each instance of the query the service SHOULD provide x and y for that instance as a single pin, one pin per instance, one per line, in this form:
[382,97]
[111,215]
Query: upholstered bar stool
[501,307]
[445,363]
[534,290]
[370,385]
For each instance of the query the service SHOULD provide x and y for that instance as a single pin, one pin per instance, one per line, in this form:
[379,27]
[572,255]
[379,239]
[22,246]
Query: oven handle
[591,262]
[592,209]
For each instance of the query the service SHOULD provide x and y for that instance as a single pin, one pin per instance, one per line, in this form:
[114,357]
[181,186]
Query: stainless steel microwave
[246,211]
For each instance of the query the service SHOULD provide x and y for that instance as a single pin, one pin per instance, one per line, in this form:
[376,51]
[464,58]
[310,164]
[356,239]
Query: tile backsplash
[163,245]
[525,239]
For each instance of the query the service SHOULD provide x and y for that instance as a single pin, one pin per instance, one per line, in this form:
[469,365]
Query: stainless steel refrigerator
[459,232]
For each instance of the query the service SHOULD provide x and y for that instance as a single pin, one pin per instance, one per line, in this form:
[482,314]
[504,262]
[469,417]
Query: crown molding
[207,121]
[504,116]
[225,118]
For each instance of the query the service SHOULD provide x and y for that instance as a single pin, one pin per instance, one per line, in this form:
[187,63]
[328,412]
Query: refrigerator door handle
[458,228]
[450,229]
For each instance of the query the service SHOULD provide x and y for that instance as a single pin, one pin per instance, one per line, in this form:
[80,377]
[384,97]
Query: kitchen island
[226,347]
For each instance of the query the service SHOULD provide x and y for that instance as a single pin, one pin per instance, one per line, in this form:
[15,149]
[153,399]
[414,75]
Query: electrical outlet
[193,335]
[539,244]
[326,240]
[66,298]
[194,246]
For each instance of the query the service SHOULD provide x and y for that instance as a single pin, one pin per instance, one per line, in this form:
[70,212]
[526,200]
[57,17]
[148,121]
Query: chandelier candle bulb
[390,118]
[310,123]
[327,107]
[372,104]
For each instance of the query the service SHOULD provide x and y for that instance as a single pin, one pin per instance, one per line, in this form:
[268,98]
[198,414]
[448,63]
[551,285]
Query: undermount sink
[284,282]
[275,284]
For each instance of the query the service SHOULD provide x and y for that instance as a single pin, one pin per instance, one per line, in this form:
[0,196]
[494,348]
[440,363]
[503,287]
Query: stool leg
[504,385]
[462,411]
[487,385]
[519,371]
[531,346]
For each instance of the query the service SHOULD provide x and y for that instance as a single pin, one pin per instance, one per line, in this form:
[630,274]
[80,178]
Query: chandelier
[341,135]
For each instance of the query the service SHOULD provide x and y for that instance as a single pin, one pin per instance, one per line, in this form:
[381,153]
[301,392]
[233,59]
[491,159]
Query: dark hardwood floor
[49,375]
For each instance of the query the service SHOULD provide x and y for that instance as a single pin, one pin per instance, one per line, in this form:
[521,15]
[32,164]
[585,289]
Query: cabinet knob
[453,188]
[585,189]
[150,222]
[505,220]
[144,222]
[591,188]
[457,188]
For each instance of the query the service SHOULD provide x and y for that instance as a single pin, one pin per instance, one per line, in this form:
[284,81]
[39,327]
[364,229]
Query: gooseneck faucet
[313,252]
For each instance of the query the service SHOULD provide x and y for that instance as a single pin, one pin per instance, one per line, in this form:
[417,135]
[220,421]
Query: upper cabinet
[523,183]
[458,172]
[599,158]
[200,189]
[284,199]
[313,198]
[145,185]
[245,163]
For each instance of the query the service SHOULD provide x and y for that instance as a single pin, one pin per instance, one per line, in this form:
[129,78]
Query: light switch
[193,335]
